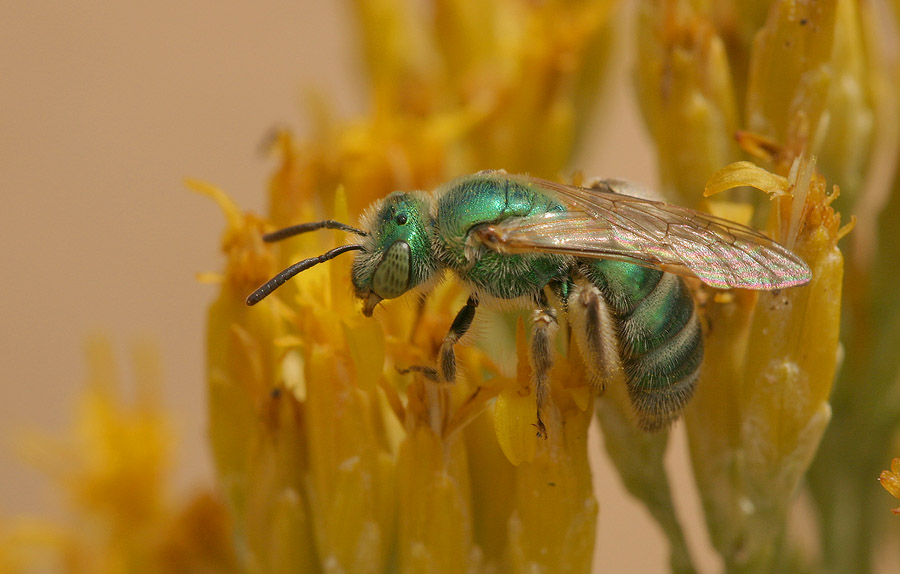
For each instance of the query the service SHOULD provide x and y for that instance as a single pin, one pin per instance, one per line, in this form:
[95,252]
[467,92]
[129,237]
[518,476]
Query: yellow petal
[515,411]
[514,422]
[365,339]
[743,173]
[890,479]
[582,396]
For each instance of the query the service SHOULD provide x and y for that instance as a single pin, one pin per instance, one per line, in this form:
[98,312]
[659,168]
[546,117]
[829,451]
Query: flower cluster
[803,85]
[332,456]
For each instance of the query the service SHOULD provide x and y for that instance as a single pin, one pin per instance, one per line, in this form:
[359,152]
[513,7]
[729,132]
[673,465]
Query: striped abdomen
[659,336]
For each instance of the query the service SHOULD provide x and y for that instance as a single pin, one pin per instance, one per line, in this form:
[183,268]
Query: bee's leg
[428,372]
[595,333]
[542,336]
[446,356]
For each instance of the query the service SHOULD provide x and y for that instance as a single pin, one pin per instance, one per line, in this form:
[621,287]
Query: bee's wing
[605,223]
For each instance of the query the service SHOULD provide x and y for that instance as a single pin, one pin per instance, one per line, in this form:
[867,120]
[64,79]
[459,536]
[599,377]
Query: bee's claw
[541,429]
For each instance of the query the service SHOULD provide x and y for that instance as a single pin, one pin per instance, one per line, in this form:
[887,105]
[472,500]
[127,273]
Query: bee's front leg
[542,336]
[446,357]
[446,362]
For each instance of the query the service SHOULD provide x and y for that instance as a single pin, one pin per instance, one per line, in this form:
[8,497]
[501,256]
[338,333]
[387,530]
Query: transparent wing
[605,222]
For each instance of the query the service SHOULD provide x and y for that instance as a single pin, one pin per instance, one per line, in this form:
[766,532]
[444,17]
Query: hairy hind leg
[595,334]
[544,325]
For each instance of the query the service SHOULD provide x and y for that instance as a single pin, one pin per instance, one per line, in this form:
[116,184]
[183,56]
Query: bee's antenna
[305,227]
[278,280]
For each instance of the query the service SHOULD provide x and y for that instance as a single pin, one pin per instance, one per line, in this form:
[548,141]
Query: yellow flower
[802,83]
[685,90]
[762,402]
[113,466]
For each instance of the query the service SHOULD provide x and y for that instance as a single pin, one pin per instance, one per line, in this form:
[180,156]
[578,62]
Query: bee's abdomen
[660,338]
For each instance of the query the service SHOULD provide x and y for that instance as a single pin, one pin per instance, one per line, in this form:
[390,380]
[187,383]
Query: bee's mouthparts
[369,304]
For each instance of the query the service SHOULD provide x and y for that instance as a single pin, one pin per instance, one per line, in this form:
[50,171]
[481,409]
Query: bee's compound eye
[392,275]
[401,219]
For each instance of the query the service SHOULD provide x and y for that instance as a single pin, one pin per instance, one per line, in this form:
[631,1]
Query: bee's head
[397,253]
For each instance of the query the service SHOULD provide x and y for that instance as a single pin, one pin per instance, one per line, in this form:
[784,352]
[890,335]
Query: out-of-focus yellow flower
[498,84]
[811,85]
[790,74]
[890,480]
[686,95]
[113,467]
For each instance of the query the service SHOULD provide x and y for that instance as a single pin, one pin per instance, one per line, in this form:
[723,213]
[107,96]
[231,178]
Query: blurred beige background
[104,109]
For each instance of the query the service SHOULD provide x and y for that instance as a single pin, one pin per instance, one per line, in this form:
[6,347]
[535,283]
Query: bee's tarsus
[541,429]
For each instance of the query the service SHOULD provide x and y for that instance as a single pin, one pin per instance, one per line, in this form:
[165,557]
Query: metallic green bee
[609,260]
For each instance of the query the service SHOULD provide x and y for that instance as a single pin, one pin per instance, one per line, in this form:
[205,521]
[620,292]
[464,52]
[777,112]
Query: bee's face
[397,254]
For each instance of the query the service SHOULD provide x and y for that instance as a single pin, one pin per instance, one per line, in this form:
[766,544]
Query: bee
[612,261]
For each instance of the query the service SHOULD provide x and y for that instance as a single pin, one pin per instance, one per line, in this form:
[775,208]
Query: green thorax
[486,198]
[490,197]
